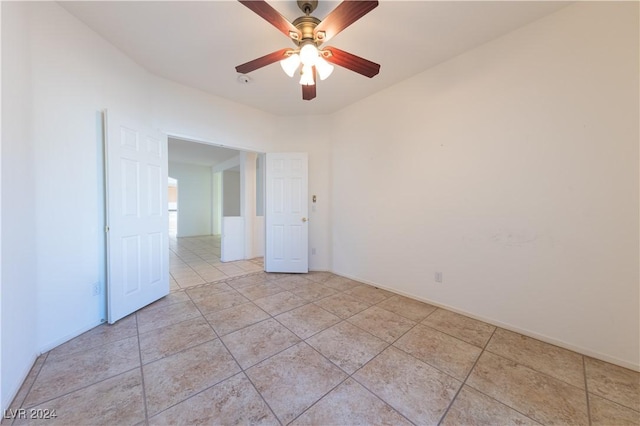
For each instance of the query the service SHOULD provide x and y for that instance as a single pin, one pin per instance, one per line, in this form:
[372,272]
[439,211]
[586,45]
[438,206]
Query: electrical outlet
[96,289]
[438,277]
[313,251]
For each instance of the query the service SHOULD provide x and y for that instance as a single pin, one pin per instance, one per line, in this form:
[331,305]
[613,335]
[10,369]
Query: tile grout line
[244,303]
[421,322]
[416,358]
[389,345]
[451,335]
[179,352]
[289,347]
[372,392]
[144,391]
[21,404]
[270,356]
[496,328]
[220,281]
[304,339]
[378,397]
[261,396]
[444,415]
[242,370]
[322,397]
[200,391]
[616,403]
[83,387]
[586,389]
[85,349]
[533,368]
[349,376]
[483,393]
[198,258]
[218,337]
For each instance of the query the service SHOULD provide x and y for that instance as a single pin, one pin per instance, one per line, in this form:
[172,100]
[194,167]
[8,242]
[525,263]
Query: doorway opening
[219,226]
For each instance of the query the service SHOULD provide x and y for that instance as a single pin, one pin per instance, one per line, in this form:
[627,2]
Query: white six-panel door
[137,216]
[286,215]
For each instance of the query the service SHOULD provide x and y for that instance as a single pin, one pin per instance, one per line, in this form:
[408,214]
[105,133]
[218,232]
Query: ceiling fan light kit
[308,33]
[306,76]
[308,56]
[291,64]
[324,68]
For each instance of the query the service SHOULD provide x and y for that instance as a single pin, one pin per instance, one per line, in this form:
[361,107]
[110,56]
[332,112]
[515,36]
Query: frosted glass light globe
[307,76]
[324,68]
[308,54]
[290,65]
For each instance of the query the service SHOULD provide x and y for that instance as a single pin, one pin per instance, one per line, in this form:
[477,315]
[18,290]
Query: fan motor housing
[306,25]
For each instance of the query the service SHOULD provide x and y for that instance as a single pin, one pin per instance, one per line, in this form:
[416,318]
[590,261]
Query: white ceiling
[199,43]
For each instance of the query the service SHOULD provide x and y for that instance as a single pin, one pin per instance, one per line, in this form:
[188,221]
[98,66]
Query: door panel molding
[137,215]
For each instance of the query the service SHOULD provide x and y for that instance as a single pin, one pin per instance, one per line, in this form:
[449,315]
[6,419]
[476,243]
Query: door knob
[304,219]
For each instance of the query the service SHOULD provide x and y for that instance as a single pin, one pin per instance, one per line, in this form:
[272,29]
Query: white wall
[230,193]
[248,182]
[181,111]
[216,204]
[513,170]
[260,187]
[75,74]
[259,230]
[218,190]
[194,198]
[18,243]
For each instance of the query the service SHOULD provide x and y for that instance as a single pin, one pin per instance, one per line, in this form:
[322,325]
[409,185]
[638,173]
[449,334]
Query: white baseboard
[54,344]
[7,402]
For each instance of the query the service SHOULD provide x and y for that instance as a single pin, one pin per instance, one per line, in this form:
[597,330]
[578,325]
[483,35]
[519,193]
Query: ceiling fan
[308,33]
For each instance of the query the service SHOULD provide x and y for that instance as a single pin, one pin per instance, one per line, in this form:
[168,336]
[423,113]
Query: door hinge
[106,229]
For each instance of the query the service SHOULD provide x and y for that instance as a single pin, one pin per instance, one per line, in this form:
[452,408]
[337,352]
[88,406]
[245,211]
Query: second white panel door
[286,215]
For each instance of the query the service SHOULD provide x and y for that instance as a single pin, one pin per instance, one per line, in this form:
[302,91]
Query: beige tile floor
[316,349]
[196,260]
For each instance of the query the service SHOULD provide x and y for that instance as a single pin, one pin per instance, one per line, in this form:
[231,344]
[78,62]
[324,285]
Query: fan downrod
[307,6]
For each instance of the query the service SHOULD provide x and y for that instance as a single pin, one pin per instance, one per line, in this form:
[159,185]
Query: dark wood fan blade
[309,92]
[351,62]
[262,61]
[269,14]
[341,17]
